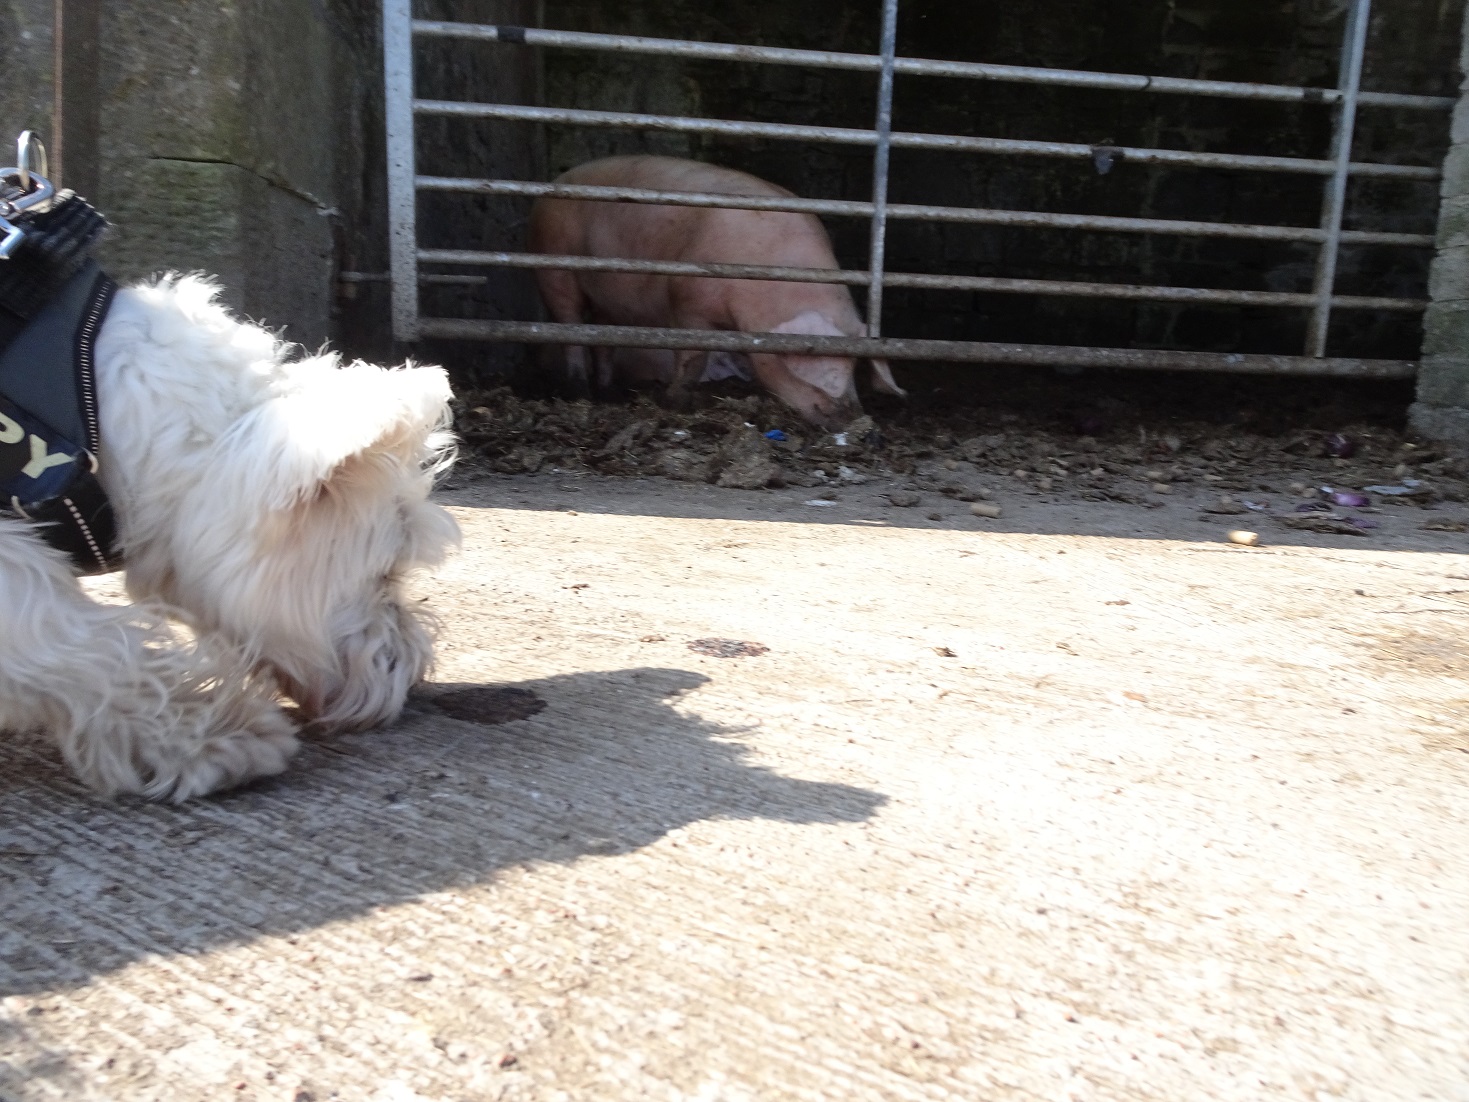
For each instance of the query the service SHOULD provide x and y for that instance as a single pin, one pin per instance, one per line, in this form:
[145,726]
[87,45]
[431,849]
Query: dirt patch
[728,648]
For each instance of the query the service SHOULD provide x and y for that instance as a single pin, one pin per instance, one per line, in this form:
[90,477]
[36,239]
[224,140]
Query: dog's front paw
[228,759]
[208,738]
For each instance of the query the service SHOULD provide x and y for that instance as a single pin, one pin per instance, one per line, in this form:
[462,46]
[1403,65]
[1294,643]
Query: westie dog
[268,511]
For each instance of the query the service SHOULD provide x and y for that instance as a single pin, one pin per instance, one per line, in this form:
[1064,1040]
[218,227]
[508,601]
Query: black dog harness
[53,299]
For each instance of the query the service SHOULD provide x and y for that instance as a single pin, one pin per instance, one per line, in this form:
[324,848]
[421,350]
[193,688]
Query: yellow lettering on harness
[10,431]
[41,461]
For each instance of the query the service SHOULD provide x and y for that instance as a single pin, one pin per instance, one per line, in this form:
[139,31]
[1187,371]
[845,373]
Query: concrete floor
[1083,804]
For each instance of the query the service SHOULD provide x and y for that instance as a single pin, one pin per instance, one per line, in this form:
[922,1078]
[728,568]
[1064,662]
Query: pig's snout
[819,388]
[833,414]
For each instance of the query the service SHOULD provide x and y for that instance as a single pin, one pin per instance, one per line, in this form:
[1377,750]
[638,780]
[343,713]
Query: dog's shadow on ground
[473,780]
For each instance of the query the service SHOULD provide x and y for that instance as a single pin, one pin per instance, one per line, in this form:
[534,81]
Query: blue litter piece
[775,434]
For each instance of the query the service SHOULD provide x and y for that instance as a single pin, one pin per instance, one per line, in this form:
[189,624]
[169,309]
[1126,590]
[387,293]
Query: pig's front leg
[606,368]
[578,372]
[688,366]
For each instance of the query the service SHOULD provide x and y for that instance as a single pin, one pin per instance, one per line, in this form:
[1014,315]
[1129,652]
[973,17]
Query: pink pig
[820,388]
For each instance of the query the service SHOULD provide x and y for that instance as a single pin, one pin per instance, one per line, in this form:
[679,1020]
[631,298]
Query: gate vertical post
[877,253]
[1349,83]
[1442,409]
[402,186]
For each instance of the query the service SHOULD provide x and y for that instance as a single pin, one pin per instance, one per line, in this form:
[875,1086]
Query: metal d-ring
[26,146]
[37,190]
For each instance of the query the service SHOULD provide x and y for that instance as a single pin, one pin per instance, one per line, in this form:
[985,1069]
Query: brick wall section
[1442,409]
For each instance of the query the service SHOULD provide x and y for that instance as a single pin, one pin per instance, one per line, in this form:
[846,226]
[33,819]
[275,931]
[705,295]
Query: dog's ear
[287,449]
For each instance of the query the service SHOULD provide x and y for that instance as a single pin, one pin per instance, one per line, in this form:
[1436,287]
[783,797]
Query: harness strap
[50,433]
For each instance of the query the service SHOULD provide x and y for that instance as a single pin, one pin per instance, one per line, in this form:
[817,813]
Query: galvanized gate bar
[917,280]
[1349,80]
[860,209]
[826,59]
[901,348]
[1329,235]
[402,195]
[884,128]
[951,142]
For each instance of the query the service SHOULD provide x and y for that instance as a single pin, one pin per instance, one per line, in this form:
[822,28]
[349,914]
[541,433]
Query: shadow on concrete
[88,886]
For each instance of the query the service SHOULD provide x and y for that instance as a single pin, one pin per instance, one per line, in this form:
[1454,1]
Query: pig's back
[706,234]
[669,174]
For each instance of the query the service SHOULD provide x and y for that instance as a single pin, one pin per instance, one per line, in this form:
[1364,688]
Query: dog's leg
[133,707]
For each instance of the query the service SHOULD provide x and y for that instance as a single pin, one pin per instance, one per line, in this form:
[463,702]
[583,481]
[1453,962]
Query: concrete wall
[226,135]
[1442,409]
[218,149]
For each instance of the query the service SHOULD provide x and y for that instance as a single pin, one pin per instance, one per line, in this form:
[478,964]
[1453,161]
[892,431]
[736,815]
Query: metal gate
[405,181]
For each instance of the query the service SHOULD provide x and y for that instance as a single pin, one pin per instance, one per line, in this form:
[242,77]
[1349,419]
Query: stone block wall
[26,56]
[1442,409]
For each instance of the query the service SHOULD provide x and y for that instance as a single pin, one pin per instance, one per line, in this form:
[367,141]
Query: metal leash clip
[36,189]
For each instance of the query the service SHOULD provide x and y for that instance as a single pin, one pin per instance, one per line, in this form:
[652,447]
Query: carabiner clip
[33,183]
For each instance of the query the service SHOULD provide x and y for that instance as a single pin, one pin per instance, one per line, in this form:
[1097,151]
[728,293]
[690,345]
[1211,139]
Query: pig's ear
[828,374]
[883,381]
[809,323]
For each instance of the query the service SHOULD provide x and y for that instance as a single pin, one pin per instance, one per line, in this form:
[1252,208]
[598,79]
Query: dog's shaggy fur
[274,508]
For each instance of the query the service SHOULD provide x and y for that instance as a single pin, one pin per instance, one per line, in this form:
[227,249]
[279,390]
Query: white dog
[274,508]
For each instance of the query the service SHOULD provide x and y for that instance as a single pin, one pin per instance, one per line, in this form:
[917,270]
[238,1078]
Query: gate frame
[400,30]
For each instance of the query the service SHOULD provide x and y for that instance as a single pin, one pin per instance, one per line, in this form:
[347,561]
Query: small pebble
[1224,506]
[1243,538]
[950,465]
[1043,484]
[985,509]
[1162,488]
[1153,475]
[903,500]
[935,516]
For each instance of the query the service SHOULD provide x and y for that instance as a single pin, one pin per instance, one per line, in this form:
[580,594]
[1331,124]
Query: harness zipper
[87,337]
